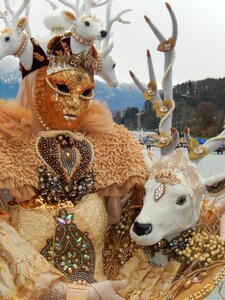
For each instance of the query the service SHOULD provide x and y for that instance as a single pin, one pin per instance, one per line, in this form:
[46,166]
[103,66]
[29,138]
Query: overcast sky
[201,39]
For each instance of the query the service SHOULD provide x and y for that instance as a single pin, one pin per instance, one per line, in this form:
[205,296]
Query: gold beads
[205,248]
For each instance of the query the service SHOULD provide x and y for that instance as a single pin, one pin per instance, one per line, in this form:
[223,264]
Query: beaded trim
[79,39]
[99,64]
[70,250]
[22,47]
[57,91]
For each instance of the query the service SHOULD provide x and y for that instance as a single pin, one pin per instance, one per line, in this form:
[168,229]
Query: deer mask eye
[86,23]
[7,38]
[180,201]
[114,65]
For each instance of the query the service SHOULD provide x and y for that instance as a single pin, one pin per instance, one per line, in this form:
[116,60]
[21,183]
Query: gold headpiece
[68,62]
[167,177]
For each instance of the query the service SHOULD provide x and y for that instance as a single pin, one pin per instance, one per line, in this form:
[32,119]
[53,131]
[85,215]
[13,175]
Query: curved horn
[163,108]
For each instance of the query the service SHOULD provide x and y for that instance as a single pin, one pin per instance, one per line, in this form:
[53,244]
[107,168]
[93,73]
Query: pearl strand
[22,47]
[166,116]
[163,80]
[86,97]
[56,90]
[79,39]
[99,64]
[216,138]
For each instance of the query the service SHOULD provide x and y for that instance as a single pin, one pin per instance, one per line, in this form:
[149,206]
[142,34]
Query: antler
[197,151]
[110,21]
[76,8]
[53,5]
[163,108]
[89,4]
[15,15]
[3,16]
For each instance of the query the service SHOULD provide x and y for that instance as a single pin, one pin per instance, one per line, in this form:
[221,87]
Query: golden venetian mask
[65,98]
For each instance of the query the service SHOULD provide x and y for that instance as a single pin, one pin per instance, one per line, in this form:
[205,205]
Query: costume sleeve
[23,271]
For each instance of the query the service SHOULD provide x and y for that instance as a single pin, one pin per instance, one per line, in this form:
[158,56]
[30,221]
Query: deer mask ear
[70,17]
[215,185]
[22,22]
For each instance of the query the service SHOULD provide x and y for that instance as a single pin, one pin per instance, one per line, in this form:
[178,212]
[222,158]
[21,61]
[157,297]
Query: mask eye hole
[86,23]
[180,201]
[7,38]
[87,93]
[114,65]
[62,88]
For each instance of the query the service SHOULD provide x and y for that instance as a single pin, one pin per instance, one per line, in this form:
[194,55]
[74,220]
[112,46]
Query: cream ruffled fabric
[24,272]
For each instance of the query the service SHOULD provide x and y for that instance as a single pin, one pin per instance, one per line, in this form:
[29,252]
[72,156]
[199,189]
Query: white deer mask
[172,199]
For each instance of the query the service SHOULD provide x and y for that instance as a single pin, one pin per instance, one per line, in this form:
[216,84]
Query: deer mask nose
[103,33]
[142,229]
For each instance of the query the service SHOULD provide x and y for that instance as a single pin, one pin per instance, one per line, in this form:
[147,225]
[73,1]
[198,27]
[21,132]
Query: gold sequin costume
[118,168]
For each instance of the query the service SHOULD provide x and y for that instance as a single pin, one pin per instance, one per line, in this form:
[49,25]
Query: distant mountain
[191,93]
[9,78]
[117,99]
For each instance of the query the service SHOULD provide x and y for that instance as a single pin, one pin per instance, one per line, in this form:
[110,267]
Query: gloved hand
[106,290]
[57,291]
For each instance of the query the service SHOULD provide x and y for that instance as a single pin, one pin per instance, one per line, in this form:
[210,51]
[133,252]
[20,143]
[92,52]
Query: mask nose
[103,33]
[142,229]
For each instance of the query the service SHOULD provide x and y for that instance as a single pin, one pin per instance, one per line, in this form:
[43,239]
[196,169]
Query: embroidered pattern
[159,192]
[70,250]
[64,175]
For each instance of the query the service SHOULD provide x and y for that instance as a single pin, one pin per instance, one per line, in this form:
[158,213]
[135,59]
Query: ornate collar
[172,248]
[79,39]
[22,47]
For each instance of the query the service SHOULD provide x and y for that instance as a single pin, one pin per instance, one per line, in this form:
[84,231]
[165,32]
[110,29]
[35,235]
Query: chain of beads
[58,92]
[55,89]
[99,64]
[166,116]
[23,45]
[208,288]
[163,82]
[87,97]
[79,39]
[216,138]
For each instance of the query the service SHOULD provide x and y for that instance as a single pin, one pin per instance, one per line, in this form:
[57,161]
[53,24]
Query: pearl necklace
[23,45]
[79,39]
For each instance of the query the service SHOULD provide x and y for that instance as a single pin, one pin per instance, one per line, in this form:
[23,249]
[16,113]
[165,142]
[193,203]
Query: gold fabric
[36,225]
[146,281]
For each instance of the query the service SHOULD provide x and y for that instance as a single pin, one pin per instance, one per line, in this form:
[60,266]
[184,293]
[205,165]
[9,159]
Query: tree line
[199,106]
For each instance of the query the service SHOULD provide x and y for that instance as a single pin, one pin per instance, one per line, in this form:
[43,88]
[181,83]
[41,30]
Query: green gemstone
[78,240]
[84,245]
[86,257]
